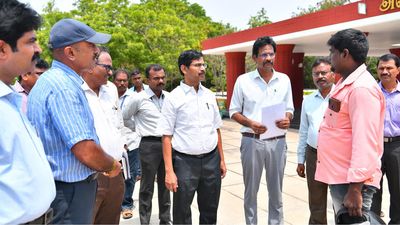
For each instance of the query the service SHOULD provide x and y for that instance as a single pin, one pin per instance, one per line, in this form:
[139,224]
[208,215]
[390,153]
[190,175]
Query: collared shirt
[26,182]
[350,142]
[144,87]
[192,118]
[107,118]
[251,93]
[312,112]
[17,87]
[145,108]
[129,130]
[392,113]
[59,110]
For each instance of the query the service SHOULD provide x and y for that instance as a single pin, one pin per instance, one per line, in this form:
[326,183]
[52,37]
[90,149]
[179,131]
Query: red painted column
[283,59]
[395,51]
[297,79]
[235,66]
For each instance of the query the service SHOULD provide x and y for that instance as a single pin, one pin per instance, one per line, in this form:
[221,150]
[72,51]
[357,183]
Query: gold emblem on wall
[389,5]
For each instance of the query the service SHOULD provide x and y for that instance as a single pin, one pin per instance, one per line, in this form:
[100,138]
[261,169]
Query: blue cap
[69,31]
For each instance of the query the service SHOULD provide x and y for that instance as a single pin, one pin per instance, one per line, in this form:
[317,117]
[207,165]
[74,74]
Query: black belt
[200,156]
[257,136]
[43,219]
[391,139]
[152,138]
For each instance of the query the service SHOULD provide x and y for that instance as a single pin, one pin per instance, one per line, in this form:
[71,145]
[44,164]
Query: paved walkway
[230,212]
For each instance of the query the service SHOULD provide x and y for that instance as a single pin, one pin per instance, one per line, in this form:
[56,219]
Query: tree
[153,31]
[324,4]
[260,19]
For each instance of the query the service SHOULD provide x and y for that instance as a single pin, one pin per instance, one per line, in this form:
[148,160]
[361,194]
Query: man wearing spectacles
[102,96]
[312,111]
[192,145]
[26,81]
[145,109]
[254,90]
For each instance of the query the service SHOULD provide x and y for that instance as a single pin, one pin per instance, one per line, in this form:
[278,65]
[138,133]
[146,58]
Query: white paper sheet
[269,115]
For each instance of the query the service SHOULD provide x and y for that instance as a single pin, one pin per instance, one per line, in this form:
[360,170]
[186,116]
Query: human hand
[171,181]
[258,128]
[300,170]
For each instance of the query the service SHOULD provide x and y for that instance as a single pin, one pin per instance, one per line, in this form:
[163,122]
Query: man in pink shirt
[350,142]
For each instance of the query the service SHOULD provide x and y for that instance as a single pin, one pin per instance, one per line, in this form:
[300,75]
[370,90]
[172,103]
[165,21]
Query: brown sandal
[127,213]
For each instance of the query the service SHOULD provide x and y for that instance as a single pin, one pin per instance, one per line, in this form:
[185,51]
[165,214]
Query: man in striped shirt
[60,112]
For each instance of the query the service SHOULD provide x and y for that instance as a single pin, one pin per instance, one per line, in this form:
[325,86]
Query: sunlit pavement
[230,212]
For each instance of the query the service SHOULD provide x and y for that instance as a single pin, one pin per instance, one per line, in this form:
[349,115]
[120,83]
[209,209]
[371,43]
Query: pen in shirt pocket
[207,106]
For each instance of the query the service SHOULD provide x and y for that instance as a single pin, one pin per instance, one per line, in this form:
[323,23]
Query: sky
[235,12]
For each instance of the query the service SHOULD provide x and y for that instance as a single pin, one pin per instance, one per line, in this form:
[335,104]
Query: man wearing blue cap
[60,112]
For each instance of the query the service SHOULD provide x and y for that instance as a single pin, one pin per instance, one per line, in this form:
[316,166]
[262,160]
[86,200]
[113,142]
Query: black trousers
[152,162]
[390,167]
[317,191]
[199,174]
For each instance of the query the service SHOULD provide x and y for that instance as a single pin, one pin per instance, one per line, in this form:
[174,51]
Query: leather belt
[257,136]
[152,138]
[43,219]
[391,139]
[200,156]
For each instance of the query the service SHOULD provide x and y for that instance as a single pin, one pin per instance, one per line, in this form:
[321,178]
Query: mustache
[35,57]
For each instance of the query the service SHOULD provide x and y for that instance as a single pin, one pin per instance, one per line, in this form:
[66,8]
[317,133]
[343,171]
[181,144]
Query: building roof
[309,33]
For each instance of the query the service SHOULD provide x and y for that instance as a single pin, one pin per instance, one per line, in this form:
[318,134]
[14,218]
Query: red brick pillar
[235,66]
[297,79]
[396,51]
[283,59]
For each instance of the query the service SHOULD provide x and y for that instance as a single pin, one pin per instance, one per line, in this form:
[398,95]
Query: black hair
[187,57]
[354,41]
[155,67]
[135,72]
[42,64]
[322,60]
[261,42]
[388,57]
[16,19]
[118,71]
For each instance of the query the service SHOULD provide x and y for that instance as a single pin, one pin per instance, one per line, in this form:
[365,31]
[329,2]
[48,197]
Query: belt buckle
[386,139]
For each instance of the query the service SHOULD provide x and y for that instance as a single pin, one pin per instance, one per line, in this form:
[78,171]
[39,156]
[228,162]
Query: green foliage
[260,19]
[324,4]
[153,31]
[307,63]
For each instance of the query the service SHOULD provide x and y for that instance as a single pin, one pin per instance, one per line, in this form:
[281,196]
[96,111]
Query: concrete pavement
[230,212]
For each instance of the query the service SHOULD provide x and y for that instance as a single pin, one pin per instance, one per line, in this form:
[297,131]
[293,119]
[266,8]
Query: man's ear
[345,53]
[69,52]
[254,57]
[25,76]
[4,49]
[183,69]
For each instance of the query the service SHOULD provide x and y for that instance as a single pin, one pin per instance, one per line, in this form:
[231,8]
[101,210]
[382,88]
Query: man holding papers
[254,91]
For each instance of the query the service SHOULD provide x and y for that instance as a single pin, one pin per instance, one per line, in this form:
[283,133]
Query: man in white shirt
[103,102]
[253,91]
[312,112]
[121,79]
[137,82]
[145,109]
[192,146]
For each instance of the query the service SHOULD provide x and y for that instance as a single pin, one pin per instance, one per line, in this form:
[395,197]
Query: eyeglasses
[107,67]
[323,73]
[265,55]
[121,81]
[199,65]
